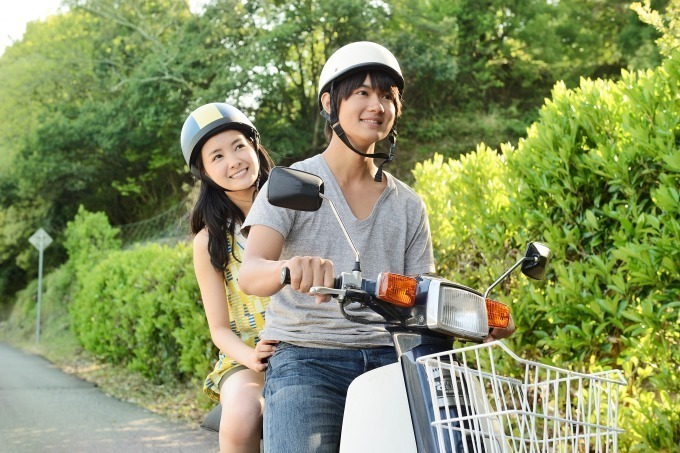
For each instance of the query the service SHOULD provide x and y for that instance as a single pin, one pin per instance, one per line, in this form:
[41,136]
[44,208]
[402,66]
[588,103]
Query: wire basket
[547,410]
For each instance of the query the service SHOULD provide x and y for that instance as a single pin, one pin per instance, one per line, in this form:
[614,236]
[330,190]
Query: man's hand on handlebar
[308,271]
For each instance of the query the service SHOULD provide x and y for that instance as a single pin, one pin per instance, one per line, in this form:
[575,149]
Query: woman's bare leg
[242,405]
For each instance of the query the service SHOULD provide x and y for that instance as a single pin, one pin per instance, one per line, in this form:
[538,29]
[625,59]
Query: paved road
[43,409]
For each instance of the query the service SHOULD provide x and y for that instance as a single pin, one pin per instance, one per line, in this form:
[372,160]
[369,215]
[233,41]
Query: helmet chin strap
[390,156]
[335,125]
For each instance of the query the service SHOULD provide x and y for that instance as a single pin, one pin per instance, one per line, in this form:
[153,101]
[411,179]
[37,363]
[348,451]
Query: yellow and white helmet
[206,121]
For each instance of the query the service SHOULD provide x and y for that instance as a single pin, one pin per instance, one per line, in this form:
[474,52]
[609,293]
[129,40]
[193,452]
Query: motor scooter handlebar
[285,278]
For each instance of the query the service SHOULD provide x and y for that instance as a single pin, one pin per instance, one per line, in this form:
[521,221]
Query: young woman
[320,351]
[222,149]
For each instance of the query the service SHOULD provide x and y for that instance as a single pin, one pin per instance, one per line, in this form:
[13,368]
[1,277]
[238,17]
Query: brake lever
[325,291]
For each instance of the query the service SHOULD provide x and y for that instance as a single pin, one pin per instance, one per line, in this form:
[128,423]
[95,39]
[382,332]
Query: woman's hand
[308,271]
[261,354]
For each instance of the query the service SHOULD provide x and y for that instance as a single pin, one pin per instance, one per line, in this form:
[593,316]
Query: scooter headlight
[455,311]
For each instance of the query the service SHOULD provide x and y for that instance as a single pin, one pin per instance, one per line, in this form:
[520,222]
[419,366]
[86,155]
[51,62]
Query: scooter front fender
[377,417]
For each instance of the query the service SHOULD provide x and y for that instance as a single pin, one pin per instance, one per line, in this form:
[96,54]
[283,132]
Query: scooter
[438,399]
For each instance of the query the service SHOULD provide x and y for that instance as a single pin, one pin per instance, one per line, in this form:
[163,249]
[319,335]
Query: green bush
[600,175]
[89,237]
[467,202]
[596,179]
[141,308]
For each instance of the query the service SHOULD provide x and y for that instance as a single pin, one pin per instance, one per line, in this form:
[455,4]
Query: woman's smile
[240,174]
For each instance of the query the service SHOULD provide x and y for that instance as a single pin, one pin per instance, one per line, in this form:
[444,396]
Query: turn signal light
[397,289]
[498,314]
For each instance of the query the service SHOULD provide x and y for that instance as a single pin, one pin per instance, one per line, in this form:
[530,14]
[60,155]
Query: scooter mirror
[536,260]
[294,189]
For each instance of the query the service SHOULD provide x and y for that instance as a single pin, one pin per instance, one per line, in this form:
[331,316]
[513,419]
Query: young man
[320,352]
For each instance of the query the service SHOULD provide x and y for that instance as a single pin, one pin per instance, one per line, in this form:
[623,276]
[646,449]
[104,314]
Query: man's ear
[326,102]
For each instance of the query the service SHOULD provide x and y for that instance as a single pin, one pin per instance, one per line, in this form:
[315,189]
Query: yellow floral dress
[245,312]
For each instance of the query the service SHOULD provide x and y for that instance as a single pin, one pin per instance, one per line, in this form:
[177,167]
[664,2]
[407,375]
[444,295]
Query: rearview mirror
[536,260]
[294,189]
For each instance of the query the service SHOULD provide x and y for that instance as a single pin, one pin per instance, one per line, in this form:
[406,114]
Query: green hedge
[139,307]
[597,179]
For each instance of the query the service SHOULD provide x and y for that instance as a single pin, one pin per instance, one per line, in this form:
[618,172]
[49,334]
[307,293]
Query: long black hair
[215,211]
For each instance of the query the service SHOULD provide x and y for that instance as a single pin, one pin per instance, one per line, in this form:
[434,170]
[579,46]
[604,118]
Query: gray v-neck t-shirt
[394,238]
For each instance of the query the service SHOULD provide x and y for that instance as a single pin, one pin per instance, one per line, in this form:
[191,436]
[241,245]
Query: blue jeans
[305,391]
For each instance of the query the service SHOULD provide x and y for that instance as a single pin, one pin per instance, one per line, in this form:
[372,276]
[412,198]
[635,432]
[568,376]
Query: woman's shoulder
[201,239]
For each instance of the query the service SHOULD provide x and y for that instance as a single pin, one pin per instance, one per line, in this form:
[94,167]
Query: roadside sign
[40,239]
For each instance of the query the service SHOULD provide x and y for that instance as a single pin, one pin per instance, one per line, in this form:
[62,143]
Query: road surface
[43,409]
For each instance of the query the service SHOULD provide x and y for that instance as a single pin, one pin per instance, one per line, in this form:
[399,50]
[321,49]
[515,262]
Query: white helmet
[358,56]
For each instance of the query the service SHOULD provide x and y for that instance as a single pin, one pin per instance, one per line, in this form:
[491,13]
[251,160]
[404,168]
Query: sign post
[40,240]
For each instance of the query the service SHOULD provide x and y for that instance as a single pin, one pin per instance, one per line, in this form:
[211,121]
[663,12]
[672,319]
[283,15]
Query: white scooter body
[377,417]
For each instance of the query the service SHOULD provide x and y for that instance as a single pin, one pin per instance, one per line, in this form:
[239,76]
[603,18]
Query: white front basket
[542,409]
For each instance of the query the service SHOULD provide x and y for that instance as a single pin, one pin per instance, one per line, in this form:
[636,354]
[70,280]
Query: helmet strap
[257,188]
[333,120]
[393,144]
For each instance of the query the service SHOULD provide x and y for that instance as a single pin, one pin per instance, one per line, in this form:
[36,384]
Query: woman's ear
[326,102]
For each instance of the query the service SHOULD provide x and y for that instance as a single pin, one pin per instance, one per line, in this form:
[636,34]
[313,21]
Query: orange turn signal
[498,314]
[397,289]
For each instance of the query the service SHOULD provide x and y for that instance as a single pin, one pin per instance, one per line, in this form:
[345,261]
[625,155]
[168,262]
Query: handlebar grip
[285,276]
